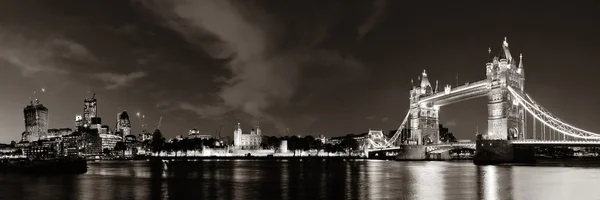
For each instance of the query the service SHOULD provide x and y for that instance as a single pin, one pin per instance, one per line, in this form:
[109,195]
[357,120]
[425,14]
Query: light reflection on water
[307,180]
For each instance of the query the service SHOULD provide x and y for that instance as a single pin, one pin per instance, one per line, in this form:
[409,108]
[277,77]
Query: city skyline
[349,73]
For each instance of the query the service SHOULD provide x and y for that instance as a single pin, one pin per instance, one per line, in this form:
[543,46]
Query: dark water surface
[308,180]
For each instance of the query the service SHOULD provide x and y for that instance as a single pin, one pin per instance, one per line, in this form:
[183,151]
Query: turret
[425,85]
[520,68]
[505,54]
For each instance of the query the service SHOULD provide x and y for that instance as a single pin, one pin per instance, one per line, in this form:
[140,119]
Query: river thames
[359,179]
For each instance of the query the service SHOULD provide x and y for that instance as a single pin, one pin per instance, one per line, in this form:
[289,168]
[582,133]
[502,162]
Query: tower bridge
[508,106]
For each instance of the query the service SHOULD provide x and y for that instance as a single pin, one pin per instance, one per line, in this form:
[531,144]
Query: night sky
[315,67]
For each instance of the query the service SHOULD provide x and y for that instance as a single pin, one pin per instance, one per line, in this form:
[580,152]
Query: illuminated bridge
[508,108]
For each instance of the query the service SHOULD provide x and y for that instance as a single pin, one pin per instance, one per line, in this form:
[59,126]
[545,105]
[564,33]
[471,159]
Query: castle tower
[505,116]
[423,117]
[237,135]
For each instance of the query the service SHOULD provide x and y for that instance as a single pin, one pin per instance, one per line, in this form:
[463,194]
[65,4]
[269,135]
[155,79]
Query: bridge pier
[502,151]
[412,152]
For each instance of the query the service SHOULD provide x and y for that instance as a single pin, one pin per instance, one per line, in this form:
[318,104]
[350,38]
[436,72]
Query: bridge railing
[532,141]
[455,90]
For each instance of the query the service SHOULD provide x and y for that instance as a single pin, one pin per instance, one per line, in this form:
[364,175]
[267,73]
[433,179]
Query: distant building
[251,140]
[58,132]
[44,149]
[195,134]
[145,136]
[123,123]
[177,138]
[92,142]
[72,144]
[104,129]
[109,141]
[78,122]
[90,109]
[36,121]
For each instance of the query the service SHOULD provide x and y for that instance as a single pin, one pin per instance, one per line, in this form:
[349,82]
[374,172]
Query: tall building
[123,124]
[90,109]
[36,121]
[251,140]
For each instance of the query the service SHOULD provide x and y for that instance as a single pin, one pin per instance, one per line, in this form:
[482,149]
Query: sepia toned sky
[310,67]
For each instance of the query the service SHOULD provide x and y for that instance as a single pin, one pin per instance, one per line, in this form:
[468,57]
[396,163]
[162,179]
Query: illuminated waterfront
[361,179]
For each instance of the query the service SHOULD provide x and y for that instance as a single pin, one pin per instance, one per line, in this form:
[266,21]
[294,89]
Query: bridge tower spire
[505,116]
[423,116]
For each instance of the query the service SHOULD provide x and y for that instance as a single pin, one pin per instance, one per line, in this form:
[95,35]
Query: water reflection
[306,180]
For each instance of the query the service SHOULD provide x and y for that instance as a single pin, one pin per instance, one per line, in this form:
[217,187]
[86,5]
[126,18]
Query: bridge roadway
[471,145]
[431,147]
[461,93]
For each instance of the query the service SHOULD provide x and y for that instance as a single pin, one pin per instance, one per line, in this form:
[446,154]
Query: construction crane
[159,122]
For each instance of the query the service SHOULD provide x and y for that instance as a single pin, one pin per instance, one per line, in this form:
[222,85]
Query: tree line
[294,143]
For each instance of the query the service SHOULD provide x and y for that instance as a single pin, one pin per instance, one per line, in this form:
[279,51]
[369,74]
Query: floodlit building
[242,140]
[36,121]
[283,147]
[145,136]
[195,134]
[123,123]
[58,132]
[90,109]
[109,141]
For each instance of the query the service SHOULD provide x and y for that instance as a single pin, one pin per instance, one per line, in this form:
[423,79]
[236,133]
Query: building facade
[90,108]
[109,141]
[123,124]
[195,134]
[58,132]
[242,140]
[36,122]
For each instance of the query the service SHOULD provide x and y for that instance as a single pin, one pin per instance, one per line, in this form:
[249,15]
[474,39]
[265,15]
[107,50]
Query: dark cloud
[114,81]
[33,53]
[380,9]
[264,72]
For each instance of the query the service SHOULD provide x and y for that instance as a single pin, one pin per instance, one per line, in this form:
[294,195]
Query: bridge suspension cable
[378,140]
[550,120]
[399,131]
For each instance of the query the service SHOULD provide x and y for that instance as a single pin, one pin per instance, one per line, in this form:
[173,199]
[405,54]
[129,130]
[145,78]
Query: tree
[318,145]
[293,143]
[310,142]
[157,141]
[13,144]
[349,143]
[106,151]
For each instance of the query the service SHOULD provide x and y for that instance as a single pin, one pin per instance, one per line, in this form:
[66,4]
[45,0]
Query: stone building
[242,140]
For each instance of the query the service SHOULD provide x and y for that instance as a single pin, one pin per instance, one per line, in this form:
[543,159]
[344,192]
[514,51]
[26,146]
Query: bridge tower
[506,119]
[423,117]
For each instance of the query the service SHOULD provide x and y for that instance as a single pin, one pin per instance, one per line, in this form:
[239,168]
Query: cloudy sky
[313,67]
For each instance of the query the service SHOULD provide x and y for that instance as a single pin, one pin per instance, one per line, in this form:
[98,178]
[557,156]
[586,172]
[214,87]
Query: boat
[64,165]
